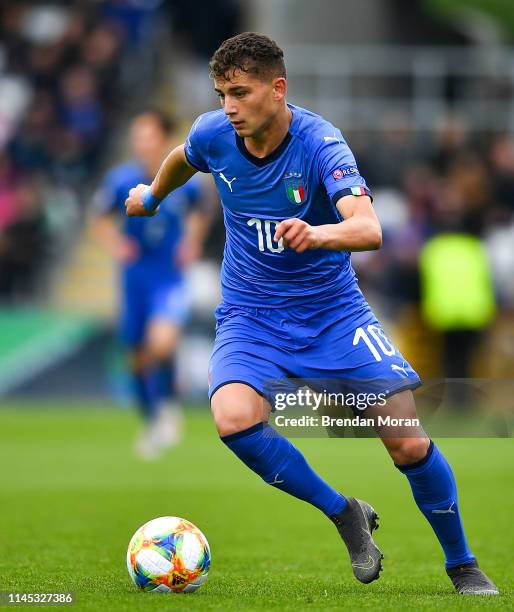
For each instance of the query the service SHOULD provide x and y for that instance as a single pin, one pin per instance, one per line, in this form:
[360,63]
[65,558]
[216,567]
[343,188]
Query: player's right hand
[134,203]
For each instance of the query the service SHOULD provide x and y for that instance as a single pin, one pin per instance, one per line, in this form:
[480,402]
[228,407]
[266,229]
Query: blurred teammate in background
[152,256]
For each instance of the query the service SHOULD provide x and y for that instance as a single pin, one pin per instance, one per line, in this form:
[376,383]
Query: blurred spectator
[60,92]
[395,148]
[100,52]
[14,98]
[22,243]
[457,298]
[70,161]
[501,157]
[452,136]
[8,209]
[29,146]
[80,108]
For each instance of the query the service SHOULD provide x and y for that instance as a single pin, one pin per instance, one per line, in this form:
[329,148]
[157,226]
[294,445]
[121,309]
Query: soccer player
[154,303]
[295,206]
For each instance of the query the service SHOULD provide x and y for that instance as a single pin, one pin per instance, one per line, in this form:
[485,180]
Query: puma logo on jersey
[229,183]
[333,137]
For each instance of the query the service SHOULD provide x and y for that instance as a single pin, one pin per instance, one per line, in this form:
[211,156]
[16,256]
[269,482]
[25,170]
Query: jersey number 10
[267,231]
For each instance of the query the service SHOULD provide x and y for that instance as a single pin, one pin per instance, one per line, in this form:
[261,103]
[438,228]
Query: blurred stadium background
[423,91]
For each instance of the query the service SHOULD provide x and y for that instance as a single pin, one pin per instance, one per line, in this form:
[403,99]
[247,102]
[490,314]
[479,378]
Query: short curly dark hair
[249,52]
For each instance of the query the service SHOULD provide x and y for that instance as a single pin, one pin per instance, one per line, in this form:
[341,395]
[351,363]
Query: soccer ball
[168,555]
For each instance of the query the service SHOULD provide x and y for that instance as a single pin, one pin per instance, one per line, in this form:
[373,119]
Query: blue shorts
[139,306]
[351,352]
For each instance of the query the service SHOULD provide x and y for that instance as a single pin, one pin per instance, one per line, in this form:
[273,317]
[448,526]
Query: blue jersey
[304,177]
[157,238]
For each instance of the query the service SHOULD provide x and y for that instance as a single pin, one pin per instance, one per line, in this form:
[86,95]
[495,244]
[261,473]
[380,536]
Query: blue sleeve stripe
[190,162]
[348,191]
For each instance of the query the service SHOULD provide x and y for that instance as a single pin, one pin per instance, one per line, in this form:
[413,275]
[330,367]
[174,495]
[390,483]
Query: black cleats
[469,579]
[355,525]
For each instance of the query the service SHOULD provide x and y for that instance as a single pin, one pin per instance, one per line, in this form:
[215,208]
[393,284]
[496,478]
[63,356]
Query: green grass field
[72,494]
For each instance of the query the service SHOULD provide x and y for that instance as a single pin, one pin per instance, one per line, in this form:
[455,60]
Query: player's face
[250,103]
[147,138]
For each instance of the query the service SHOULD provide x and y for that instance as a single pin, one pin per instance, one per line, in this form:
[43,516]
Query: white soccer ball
[168,555]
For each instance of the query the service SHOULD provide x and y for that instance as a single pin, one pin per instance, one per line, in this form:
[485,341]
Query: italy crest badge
[294,187]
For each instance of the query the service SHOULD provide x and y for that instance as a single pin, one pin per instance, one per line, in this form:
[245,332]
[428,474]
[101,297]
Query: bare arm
[106,231]
[360,230]
[174,172]
[197,225]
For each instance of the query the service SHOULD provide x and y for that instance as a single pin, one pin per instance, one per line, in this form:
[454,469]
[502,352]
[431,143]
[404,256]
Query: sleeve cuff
[351,191]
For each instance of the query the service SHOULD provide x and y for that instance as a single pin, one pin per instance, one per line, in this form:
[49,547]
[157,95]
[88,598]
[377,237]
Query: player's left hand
[298,235]
[134,203]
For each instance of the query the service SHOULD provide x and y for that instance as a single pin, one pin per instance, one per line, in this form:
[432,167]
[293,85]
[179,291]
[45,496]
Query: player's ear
[279,88]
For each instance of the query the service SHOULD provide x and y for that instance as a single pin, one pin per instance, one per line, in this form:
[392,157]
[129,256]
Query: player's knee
[161,341]
[236,407]
[405,451]
[159,353]
[231,418]
[159,350]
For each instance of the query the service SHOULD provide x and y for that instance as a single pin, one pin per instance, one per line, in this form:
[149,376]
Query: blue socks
[435,492]
[280,464]
[153,386]
[146,395]
[163,375]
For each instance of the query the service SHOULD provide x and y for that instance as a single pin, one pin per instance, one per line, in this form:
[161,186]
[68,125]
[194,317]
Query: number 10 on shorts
[372,336]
